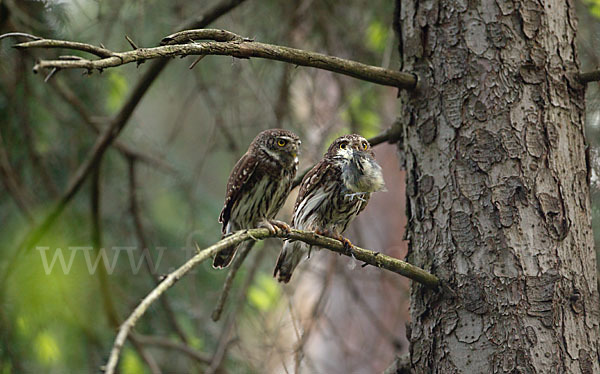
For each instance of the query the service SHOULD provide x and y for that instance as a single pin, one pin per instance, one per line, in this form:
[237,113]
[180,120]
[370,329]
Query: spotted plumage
[331,195]
[258,186]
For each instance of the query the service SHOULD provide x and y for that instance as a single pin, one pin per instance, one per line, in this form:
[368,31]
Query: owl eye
[281,142]
[343,146]
[364,146]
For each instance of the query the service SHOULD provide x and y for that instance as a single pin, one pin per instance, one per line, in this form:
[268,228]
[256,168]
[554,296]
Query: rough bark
[498,195]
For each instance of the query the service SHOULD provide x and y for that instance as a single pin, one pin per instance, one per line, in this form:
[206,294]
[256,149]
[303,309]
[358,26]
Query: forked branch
[365,255]
[221,43]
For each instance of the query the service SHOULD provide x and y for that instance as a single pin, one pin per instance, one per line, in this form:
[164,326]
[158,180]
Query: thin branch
[36,159]
[592,76]
[76,46]
[108,303]
[19,34]
[315,313]
[170,344]
[390,135]
[370,314]
[12,184]
[232,45]
[235,266]
[65,92]
[224,339]
[141,238]
[360,254]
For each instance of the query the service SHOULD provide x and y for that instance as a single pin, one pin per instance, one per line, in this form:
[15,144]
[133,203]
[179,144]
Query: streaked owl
[333,192]
[258,186]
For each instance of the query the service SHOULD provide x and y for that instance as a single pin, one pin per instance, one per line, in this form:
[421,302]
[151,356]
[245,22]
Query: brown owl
[258,186]
[333,192]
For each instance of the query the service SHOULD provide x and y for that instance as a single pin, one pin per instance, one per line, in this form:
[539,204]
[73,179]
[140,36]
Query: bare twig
[141,237]
[36,159]
[225,340]
[109,306]
[360,254]
[235,266]
[65,92]
[369,313]
[315,313]
[19,34]
[170,344]
[76,46]
[12,184]
[131,42]
[391,135]
[232,45]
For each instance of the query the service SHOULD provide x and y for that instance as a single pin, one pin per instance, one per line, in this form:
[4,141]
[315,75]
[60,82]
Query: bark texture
[498,194]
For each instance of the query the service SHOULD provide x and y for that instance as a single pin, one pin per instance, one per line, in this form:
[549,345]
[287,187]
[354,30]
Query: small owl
[258,186]
[333,192]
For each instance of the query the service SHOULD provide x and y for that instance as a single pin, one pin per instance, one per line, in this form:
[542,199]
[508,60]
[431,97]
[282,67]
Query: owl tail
[289,258]
[224,257]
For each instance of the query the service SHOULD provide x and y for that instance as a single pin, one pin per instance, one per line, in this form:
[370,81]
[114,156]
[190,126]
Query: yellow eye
[343,146]
[281,142]
[365,146]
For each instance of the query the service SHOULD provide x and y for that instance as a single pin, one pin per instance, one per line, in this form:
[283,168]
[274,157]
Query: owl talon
[267,225]
[324,232]
[347,246]
[281,225]
[345,242]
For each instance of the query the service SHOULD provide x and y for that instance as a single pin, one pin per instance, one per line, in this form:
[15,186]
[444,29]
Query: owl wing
[312,180]
[240,175]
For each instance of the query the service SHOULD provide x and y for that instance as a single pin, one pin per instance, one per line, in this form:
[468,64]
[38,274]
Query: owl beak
[358,154]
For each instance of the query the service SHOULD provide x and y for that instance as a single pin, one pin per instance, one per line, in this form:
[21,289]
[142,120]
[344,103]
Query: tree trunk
[498,193]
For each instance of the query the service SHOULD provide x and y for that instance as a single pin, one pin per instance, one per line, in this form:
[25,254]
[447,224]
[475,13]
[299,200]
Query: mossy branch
[365,255]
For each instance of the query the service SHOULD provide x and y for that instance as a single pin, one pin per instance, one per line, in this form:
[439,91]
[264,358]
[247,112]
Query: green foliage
[131,363]
[47,348]
[117,88]
[376,36]
[264,293]
[362,110]
[593,7]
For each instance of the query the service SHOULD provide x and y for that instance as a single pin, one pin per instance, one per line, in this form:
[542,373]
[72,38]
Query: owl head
[348,146]
[360,171]
[281,145]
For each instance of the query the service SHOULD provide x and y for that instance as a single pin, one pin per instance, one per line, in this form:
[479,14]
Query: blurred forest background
[160,187]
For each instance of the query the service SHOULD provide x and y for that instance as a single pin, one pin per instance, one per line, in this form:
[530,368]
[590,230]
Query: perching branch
[223,43]
[592,76]
[365,255]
